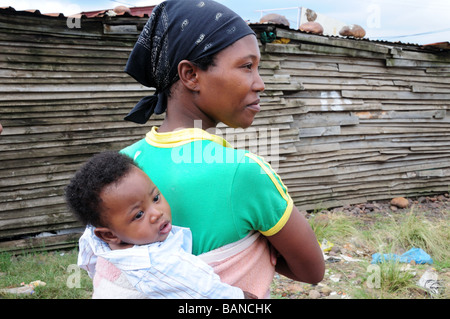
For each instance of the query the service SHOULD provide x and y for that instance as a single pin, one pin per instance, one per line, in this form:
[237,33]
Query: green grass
[63,281]
[387,234]
[374,233]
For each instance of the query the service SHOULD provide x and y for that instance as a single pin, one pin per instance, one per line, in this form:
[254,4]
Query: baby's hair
[82,194]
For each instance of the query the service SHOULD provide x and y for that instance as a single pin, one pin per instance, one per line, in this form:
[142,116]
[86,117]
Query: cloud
[44,6]
[380,18]
[144,3]
[422,21]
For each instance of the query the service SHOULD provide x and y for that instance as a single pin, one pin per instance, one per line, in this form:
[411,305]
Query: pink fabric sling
[247,264]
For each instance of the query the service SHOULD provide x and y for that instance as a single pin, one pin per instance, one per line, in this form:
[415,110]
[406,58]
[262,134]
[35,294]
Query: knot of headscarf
[178,30]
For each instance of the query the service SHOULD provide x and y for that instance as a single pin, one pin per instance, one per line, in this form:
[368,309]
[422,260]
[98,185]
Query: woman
[202,58]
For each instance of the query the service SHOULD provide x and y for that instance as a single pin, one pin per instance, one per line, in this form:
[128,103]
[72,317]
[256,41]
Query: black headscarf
[178,30]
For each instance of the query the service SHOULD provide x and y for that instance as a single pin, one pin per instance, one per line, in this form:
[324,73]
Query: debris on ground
[418,255]
[24,288]
[430,281]
[347,263]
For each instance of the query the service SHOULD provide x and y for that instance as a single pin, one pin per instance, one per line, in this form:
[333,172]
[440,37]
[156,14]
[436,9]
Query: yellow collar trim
[181,137]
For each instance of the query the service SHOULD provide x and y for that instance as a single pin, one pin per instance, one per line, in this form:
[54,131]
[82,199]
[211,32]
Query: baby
[129,224]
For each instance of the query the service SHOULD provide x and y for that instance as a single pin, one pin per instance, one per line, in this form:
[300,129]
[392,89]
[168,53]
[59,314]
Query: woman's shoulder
[262,177]
[255,164]
[132,149]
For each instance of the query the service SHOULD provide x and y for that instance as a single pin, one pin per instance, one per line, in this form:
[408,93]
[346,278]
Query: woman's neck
[180,117]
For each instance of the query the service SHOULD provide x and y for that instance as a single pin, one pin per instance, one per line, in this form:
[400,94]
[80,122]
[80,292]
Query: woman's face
[229,89]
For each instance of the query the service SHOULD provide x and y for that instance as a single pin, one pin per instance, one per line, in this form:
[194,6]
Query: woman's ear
[188,73]
[107,235]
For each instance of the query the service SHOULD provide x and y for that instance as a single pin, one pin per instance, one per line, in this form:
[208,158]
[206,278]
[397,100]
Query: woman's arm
[301,257]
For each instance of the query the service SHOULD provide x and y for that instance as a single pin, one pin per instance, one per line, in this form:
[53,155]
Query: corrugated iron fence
[352,120]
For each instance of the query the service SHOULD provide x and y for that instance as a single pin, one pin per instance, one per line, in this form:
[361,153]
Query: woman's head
[177,30]
[228,90]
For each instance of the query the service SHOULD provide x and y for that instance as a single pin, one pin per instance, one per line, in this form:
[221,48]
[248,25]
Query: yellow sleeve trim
[283,220]
[282,189]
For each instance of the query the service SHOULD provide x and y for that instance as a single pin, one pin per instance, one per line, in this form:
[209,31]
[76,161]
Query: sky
[408,21]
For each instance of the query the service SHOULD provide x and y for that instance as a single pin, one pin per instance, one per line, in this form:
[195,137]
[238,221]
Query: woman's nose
[259,85]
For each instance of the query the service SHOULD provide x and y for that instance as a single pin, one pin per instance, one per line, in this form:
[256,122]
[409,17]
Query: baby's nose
[155,215]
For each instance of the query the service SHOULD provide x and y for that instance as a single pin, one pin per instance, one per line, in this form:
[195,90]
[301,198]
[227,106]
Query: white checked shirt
[159,270]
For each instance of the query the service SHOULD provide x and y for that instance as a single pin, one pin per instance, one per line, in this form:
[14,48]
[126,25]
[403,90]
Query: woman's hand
[300,255]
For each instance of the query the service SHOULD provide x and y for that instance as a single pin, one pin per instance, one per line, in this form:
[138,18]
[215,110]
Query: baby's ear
[107,235]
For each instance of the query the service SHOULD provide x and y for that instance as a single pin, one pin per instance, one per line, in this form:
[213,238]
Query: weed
[384,233]
[332,227]
[415,231]
[49,267]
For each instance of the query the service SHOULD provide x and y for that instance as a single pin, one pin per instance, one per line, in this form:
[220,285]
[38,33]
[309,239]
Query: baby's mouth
[165,227]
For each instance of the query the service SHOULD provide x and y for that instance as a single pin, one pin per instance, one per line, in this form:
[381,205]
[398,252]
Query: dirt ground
[347,278]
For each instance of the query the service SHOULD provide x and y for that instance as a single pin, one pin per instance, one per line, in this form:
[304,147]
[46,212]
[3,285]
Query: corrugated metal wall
[343,121]
[372,122]
[63,98]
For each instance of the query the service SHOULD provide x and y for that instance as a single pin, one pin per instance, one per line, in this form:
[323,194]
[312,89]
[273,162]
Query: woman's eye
[139,215]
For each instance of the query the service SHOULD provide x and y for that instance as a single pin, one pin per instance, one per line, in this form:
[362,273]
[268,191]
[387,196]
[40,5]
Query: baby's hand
[248,295]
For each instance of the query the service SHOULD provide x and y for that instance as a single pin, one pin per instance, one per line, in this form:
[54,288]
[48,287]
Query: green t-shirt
[220,193]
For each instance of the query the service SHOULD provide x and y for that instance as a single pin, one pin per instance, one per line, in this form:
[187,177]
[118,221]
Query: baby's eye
[156,198]
[139,215]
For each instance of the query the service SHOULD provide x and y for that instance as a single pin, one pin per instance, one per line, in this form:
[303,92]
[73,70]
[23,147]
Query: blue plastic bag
[418,255]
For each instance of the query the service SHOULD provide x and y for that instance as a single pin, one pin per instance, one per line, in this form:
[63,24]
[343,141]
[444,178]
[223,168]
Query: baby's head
[115,196]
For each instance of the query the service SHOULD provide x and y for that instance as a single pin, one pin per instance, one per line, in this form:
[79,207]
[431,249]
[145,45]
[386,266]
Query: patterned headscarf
[178,30]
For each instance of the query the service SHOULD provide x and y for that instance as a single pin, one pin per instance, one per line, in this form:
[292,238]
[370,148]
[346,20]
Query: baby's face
[135,209]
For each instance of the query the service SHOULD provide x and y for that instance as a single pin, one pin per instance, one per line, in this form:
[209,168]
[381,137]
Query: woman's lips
[254,106]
